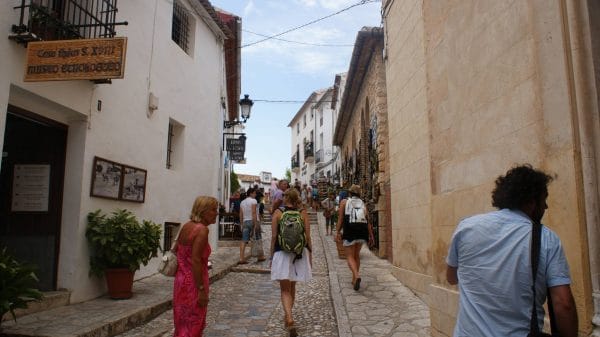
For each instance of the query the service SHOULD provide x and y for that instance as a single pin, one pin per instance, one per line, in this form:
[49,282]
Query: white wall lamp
[152,104]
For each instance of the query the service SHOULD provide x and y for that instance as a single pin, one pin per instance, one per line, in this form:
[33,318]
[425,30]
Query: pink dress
[189,319]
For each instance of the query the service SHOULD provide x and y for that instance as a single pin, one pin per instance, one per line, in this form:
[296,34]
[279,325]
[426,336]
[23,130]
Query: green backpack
[291,236]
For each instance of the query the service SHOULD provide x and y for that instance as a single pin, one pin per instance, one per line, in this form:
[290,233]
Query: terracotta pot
[119,282]
[341,251]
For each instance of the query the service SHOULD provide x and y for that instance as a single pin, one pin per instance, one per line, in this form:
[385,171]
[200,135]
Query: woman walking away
[356,230]
[190,291]
[291,247]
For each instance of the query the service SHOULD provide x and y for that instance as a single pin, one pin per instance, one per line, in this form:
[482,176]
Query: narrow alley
[245,302]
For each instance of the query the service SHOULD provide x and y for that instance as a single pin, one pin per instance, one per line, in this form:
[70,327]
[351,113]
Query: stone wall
[409,145]
[479,86]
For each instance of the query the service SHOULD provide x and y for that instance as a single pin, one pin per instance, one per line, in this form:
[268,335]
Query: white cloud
[249,8]
[308,3]
[336,4]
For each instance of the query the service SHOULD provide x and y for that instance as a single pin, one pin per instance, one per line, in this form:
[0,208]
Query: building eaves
[310,100]
[325,95]
[232,61]
[364,47]
[207,12]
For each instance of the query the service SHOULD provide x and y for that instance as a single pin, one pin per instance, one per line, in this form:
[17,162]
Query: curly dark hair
[520,185]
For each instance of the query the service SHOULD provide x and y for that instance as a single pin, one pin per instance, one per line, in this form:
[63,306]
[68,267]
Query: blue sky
[278,70]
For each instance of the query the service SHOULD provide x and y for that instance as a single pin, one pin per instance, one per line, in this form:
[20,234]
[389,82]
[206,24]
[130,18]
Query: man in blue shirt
[489,258]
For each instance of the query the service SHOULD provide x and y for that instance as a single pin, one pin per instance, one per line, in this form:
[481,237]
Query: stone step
[103,317]
[51,299]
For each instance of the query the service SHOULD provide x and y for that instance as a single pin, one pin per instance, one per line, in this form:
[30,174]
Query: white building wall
[306,169]
[326,146]
[189,89]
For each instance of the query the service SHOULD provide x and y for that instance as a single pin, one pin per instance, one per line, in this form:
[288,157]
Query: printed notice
[31,186]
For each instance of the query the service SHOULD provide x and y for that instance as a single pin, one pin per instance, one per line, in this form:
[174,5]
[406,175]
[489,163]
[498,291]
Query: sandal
[242,262]
[357,284]
[261,259]
[291,328]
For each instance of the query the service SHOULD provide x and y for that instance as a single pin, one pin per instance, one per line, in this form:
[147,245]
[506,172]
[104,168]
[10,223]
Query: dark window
[170,144]
[181,26]
[171,229]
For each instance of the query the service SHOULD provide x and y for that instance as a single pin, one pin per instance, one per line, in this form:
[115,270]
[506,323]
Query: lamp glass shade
[246,105]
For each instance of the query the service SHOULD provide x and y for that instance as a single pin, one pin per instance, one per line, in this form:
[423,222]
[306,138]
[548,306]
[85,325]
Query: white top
[246,207]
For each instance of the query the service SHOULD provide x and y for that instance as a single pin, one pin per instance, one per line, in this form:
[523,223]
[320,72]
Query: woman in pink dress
[190,292]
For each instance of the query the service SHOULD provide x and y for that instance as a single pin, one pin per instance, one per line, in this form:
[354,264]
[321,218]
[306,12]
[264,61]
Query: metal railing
[296,160]
[308,150]
[65,19]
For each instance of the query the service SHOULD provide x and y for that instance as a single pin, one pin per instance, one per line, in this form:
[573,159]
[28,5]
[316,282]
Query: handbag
[256,246]
[168,263]
[534,329]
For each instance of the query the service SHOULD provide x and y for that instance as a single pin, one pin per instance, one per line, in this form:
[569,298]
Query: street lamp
[245,105]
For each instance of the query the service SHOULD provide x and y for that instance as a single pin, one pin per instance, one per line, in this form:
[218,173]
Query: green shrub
[17,284]
[120,241]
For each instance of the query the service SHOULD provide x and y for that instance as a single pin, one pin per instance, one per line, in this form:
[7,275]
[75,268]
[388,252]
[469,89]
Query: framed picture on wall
[134,184]
[106,178]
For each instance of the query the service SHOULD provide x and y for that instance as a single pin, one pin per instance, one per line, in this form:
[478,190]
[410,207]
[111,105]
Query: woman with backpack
[354,228]
[291,247]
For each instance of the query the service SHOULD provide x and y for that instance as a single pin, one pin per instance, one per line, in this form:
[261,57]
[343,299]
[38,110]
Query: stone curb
[334,284]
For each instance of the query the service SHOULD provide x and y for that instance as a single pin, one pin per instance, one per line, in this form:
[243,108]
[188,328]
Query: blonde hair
[201,205]
[293,197]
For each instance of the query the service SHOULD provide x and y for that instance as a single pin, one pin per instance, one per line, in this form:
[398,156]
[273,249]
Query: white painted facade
[189,88]
[314,122]
[334,163]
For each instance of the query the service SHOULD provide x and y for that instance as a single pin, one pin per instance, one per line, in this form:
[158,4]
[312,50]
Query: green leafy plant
[17,284]
[120,241]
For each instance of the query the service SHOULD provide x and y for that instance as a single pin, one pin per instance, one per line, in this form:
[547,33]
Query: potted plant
[119,245]
[17,285]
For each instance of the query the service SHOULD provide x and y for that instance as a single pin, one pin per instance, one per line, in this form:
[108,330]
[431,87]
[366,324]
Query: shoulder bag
[168,263]
[534,329]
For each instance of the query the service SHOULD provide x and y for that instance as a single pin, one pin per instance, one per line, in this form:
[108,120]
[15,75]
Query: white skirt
[282,267]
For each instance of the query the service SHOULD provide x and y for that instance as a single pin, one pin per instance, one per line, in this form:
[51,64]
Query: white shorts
[283,267]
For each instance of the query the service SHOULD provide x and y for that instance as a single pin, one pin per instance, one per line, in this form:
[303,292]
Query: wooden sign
[83,59]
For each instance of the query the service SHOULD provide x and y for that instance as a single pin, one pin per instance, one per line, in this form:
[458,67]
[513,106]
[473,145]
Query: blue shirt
[492,253]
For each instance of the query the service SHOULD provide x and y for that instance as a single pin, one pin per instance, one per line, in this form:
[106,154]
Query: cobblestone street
[245,302]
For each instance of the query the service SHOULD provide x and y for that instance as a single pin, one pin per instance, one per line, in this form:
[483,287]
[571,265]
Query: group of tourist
[506,263]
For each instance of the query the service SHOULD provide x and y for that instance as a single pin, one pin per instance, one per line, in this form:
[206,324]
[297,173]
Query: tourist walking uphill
[291,259]
[277,196]
[250,223]
[493,256]
[354,229]
[328,212]
[190,291]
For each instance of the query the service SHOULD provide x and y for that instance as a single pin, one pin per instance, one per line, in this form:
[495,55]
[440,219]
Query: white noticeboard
[31,187]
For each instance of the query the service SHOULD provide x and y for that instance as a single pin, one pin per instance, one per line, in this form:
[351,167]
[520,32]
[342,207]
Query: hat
[355,189]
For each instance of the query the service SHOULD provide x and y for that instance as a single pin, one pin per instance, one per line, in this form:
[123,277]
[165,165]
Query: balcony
[309,154]
[296,162]
[65,20]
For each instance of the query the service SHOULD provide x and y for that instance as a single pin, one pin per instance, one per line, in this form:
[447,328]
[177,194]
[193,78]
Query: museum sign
[82,59]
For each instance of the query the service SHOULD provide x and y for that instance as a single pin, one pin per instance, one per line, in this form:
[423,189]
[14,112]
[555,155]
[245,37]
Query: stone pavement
[245,302]
[106,317]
